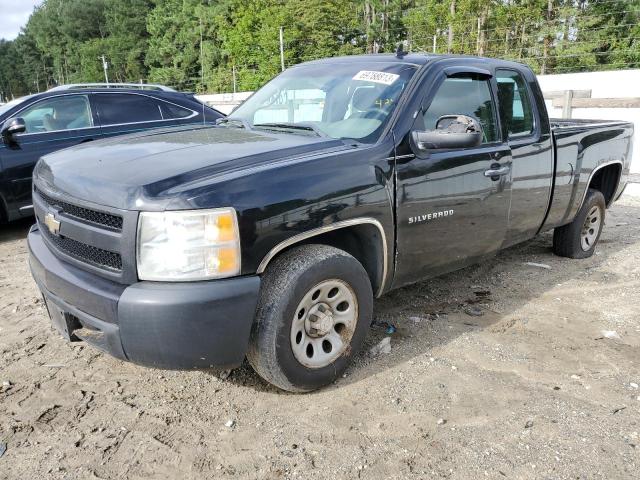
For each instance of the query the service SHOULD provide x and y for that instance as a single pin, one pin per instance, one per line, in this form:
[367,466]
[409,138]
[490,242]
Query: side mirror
[13,126]
[452,131]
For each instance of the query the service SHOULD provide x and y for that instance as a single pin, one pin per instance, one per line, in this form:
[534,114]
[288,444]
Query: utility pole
[452,13]
[435,39]
[105,66]
[201,57]
[233,71]
[282,48]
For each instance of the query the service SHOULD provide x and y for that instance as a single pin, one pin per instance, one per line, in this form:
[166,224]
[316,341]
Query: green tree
[176,28]
[202,45]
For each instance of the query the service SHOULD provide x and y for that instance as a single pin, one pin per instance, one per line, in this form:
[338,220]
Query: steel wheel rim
[590,229]
[324,323]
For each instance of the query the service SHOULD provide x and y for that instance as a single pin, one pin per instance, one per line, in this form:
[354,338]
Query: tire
[579,238]
[291,315]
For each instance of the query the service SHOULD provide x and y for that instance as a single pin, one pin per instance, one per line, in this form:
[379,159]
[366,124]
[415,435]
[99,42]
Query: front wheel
[579,238]
[314,311]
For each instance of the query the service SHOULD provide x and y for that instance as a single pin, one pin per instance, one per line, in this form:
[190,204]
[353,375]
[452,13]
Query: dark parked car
[268,235]
[64,116]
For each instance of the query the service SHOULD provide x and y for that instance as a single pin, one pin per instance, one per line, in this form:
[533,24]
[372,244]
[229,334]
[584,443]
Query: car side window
[119,108]
[464,96]
[515,107]
[174,112]
[66,112]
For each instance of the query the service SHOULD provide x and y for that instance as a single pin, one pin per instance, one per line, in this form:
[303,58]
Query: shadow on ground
[15,230]
[432,313]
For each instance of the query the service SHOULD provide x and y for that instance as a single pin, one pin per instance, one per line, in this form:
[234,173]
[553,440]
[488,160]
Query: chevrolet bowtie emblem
[52,224]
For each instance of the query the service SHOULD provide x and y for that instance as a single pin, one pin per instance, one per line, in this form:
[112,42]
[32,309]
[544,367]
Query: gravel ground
[502,370]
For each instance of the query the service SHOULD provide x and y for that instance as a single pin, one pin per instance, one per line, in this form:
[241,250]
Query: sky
[15,14]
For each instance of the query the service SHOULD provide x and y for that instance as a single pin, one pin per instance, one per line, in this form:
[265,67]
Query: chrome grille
[108,220]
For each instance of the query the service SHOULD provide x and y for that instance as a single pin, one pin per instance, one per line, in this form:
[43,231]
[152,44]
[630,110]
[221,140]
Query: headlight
[188,245]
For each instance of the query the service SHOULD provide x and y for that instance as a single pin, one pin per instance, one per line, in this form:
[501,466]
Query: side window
[66,112]
[174,112]
[515,107]
[118,108]
[464,96]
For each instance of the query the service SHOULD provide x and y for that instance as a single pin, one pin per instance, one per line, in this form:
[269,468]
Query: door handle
[496,171]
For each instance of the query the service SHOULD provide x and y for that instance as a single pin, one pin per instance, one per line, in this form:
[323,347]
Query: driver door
[449,213]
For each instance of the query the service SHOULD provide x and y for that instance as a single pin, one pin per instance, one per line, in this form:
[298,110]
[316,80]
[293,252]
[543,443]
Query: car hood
[149,170]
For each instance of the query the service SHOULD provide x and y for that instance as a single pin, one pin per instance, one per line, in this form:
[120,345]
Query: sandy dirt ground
[531,388]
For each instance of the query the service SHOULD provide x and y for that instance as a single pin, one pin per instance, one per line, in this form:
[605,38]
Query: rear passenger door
[121,113]
[527,133]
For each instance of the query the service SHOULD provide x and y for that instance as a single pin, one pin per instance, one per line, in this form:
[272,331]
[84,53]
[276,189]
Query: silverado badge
[430,216]
[52,223]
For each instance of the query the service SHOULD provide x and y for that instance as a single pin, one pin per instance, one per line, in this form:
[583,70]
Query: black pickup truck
[268,235]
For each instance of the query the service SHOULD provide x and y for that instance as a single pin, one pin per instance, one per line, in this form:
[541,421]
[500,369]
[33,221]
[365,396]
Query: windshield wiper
[307,127]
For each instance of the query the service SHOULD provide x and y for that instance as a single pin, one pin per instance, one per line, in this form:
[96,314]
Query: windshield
[8,106]
[338,100]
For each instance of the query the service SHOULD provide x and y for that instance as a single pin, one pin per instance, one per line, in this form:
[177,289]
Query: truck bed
[565,123]
[580,149]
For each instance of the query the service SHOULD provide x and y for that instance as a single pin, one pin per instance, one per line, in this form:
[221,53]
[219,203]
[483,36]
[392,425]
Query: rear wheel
[314,311]
[579,238]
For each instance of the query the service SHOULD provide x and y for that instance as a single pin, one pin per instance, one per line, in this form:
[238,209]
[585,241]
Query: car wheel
[313,314]
[579,238]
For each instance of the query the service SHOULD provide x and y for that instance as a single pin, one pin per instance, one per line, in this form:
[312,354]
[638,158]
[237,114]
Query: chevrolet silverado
[268,235]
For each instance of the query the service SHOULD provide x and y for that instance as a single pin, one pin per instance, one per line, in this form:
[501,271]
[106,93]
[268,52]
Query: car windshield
[8,106]
[346,101]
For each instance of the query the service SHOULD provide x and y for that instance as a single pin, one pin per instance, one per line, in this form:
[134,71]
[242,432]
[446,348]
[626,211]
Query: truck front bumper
[165,325]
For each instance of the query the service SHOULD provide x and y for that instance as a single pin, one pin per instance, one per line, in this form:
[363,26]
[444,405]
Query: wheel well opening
[606,181]
[364,242]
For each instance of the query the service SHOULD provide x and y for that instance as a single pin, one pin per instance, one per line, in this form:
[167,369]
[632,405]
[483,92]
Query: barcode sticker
[376,77]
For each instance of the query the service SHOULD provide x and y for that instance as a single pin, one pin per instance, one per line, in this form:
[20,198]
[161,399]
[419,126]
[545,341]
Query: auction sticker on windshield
[376,77]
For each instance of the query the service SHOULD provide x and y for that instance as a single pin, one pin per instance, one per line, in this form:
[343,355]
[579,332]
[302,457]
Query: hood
[142,170]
